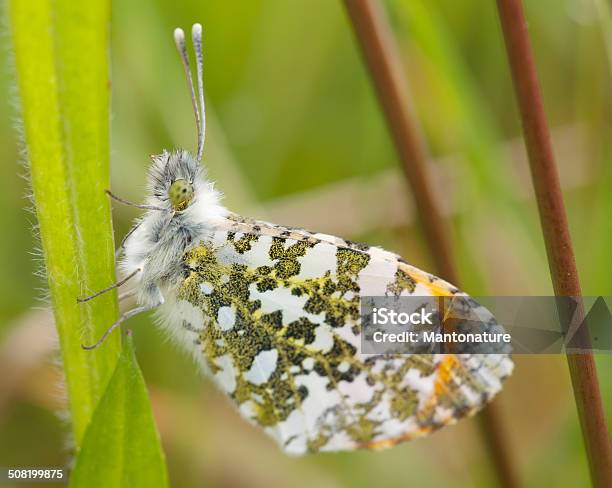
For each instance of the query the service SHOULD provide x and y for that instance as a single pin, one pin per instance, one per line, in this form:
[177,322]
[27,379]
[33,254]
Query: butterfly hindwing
[276,315]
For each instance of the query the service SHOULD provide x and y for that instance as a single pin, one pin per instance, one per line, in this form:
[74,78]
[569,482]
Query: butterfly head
[176,180]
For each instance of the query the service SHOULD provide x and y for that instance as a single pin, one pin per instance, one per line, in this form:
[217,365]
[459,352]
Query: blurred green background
[295,136]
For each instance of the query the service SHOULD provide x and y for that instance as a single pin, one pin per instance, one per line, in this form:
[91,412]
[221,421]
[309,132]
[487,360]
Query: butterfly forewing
[275,314]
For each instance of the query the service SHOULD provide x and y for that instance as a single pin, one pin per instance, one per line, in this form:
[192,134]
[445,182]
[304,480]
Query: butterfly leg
[112,287]
[124,240]
[125,295]
[119,321]
[132,204]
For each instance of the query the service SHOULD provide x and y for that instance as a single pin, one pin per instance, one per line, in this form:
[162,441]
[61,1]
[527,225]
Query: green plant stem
[61,56]
[381,56]
[553,219]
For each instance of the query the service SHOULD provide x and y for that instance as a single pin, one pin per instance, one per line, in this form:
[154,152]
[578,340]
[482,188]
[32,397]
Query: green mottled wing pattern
[273,315]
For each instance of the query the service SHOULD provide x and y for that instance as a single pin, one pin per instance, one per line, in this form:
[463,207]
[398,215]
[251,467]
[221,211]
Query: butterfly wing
[280,310]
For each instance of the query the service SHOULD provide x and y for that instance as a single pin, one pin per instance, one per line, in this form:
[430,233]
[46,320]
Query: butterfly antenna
[196,36]
[179,39]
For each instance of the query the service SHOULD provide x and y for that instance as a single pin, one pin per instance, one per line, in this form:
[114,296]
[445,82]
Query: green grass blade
[62,69]
[121,446]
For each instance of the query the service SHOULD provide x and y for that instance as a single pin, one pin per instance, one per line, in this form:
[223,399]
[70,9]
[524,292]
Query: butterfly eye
[180,194]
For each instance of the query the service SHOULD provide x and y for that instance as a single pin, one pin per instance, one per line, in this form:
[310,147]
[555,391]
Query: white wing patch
[263,366]
[226,317]
[320,259]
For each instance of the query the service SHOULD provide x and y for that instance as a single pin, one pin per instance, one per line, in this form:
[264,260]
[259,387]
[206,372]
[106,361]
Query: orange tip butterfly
[272,314]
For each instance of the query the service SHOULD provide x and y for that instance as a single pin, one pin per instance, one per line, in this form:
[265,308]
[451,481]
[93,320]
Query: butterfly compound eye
[180,194]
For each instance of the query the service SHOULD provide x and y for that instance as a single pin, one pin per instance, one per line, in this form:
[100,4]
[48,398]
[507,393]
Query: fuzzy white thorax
[162,236]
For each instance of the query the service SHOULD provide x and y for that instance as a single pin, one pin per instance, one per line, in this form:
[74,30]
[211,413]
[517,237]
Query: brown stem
[553,219]
[385,68]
